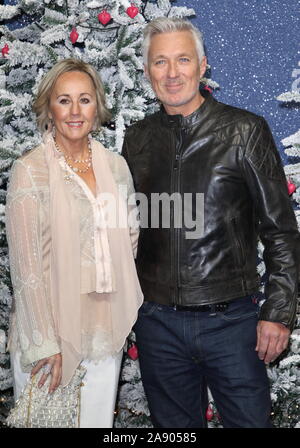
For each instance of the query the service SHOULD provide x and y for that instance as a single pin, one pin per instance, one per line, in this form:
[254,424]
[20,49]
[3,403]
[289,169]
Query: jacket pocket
[147,308]
[240,314]
[237,245]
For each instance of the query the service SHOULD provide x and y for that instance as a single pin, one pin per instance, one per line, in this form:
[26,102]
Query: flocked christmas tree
[107,35]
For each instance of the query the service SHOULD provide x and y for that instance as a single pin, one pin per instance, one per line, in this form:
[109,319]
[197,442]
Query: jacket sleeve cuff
[283,317]
[34,353]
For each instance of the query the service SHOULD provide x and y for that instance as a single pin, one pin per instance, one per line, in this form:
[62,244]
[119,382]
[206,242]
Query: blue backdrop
[253,48]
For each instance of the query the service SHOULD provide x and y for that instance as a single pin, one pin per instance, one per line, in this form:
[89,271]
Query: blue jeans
[183,352]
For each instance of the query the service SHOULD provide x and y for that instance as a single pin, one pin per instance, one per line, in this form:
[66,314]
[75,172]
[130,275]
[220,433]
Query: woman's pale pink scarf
[65,260]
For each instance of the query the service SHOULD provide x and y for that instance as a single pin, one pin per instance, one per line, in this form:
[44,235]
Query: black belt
[202,308]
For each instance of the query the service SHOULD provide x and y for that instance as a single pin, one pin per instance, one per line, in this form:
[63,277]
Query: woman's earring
[52,127]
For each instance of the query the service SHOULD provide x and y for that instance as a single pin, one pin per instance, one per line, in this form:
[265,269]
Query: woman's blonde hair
[42,101]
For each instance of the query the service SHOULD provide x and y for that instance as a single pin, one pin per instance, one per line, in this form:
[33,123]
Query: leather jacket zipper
[176,232]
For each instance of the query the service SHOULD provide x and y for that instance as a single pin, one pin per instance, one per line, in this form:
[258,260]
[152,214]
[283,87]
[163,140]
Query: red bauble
[209,413]
[291,187]
[5,50]
[209,89]
[132,11]
[133,351]
[74,36]
[104,17]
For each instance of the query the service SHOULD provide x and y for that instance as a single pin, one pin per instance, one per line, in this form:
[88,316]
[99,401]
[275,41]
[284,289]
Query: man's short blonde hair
[170,25]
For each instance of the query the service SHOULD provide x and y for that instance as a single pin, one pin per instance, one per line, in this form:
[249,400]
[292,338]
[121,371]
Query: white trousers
[98,394]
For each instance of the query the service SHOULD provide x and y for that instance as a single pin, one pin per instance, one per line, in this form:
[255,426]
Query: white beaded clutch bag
[37,409]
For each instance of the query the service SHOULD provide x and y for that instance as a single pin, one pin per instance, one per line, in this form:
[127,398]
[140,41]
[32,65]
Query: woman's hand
[51,366]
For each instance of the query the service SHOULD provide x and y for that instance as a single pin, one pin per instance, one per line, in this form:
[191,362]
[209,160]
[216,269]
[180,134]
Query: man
[200,324]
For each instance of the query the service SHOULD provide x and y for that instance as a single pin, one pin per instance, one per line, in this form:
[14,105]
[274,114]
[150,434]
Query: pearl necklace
[67,158]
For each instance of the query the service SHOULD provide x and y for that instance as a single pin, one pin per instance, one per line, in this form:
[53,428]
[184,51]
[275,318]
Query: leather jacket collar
[198,116]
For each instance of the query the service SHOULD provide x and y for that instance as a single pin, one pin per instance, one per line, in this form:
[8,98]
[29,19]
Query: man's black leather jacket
[229,155]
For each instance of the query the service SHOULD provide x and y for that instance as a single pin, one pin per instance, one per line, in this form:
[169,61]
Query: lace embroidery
[51,334]
[37,337]
[24,342]
[96,345]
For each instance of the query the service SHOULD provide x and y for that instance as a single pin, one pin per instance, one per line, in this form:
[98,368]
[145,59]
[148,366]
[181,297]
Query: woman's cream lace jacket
[28,230]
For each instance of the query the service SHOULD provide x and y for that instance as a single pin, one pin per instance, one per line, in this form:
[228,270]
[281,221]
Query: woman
[75,286]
